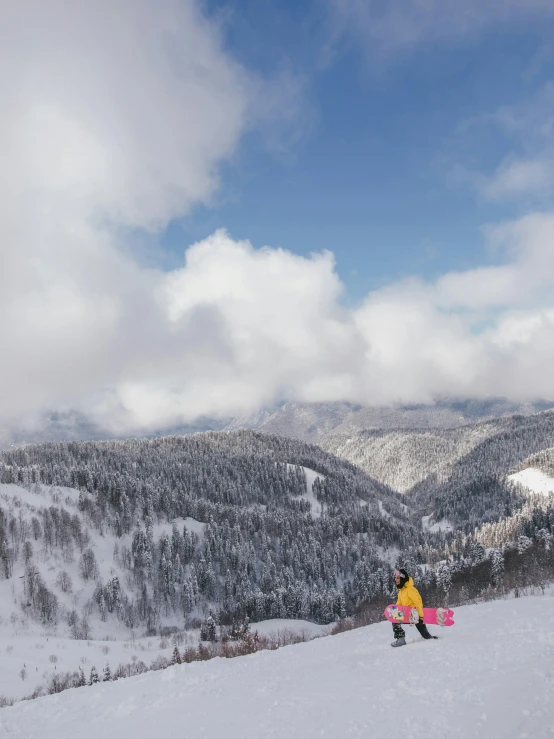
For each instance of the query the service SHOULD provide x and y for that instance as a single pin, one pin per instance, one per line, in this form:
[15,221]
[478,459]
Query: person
[408,595]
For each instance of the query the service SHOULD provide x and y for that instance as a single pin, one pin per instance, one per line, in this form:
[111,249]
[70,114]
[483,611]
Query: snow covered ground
[443,525]
[40,654]
[534,480]
[274,626]
[490,676]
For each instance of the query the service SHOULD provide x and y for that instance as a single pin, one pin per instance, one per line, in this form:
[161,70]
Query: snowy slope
[39,654]
[534,480]
[311,477]
[13,619]
[490,676]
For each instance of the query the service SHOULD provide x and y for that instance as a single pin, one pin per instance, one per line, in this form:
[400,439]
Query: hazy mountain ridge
[312,421]
[306,421]
[76,426]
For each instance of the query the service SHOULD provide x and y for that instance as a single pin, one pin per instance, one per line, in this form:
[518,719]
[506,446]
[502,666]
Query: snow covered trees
[208,630]
[444,577]
[64,582]
[497,566]
[87,565]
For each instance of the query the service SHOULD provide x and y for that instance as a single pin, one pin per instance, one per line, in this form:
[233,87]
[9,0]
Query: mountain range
[306,421]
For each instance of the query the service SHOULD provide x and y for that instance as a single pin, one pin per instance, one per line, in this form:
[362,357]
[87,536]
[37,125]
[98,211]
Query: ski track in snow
[491,676]
[534,480]
[311,477]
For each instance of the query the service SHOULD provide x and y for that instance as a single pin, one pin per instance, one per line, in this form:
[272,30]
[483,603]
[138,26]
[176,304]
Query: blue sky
[370,172]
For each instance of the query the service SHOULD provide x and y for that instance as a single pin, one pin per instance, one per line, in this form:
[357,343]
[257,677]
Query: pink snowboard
[408,615]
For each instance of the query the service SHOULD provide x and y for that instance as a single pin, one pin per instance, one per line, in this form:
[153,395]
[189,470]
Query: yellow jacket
[409,596]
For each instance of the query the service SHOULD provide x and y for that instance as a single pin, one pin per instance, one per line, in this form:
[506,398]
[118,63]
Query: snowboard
[408,615]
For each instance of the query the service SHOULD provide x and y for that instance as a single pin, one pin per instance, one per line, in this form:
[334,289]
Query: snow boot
[399,642]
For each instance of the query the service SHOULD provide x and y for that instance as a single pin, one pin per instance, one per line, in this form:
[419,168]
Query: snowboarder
[408,595]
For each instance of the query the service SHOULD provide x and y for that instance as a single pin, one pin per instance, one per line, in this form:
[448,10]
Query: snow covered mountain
[543,461]
[489,676]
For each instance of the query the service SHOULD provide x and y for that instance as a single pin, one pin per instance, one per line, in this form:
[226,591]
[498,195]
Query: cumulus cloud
[116,119]
[486,331]
[241,327]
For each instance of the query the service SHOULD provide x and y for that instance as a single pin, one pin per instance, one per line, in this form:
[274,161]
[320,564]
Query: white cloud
[516,178]
[526,173]
[116,117]
[423,339]
[387,27]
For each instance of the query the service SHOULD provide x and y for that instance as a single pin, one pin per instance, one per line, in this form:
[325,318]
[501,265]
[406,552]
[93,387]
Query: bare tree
[64,582]
[87,565]
[27,552]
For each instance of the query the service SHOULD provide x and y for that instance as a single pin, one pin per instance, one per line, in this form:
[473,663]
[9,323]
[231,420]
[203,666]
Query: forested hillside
[240,523]
[477,489]
[404,457]
[543,461]
[454,475]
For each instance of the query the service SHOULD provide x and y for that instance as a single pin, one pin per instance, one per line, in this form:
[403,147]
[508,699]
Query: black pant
[399,631]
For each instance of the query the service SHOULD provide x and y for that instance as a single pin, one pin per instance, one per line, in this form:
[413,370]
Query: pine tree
[107,676]
[175,657]
[340,605]
[93,676]
[497,566]
[523,543]
[477,553]
[208,630]
[444,577]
